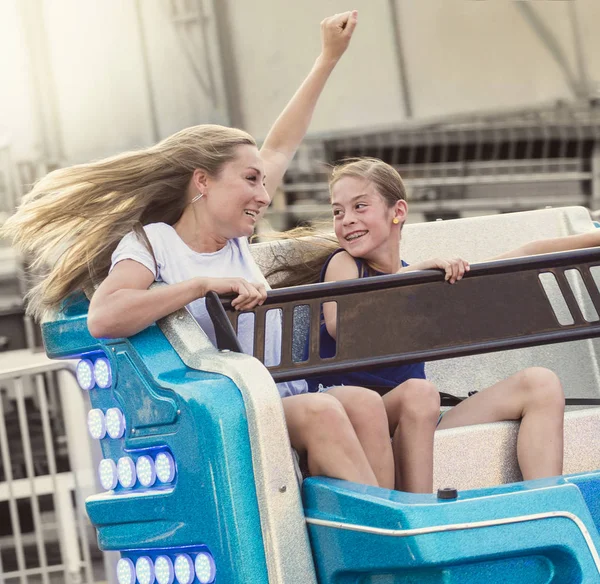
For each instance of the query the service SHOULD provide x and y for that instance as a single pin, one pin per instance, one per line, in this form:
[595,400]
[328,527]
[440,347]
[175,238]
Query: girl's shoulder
[340,266]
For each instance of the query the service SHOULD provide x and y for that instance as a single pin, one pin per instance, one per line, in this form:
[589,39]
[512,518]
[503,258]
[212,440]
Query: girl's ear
[401,211]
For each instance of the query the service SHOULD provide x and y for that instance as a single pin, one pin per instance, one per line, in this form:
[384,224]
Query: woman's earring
[196,198]
[395,220]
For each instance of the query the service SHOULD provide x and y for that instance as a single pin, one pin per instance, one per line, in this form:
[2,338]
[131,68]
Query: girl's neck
[386,261]
[196,234]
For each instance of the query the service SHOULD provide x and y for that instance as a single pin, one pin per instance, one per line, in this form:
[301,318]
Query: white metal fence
[46,472]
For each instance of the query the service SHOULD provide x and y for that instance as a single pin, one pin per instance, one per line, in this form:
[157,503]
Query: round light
[125,571]
[165,467]
[126,472]
[107,471]
[205,568]
[85,374]
[115,423]
[144,569]
[184,569]
[163,568]
[103,373]
[146,472]
[96,424]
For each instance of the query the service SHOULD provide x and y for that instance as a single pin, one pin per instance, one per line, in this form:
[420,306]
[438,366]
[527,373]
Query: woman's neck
[196,234]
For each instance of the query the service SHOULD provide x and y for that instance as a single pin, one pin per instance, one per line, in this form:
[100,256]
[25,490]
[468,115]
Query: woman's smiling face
[237,197]
[362,220]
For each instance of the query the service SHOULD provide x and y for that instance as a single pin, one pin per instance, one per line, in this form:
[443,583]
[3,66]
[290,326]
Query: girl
[369,210]
[181,212]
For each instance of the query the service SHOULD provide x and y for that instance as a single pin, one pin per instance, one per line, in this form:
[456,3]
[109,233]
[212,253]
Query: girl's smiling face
[363,221]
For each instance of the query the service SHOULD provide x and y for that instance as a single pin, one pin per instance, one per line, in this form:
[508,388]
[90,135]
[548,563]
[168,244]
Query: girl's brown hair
[302,262]
[73,218]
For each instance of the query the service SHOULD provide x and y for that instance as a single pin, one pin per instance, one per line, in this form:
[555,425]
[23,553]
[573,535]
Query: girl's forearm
[126,312]
[569,242]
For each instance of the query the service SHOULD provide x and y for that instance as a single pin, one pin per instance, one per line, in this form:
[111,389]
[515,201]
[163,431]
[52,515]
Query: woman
[181,212]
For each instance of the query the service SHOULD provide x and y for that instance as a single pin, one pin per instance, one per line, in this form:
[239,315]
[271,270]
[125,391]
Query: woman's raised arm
[290,127]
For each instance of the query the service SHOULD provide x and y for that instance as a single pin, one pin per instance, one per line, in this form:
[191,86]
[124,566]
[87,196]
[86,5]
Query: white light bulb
[96,424]
[205,568]
[144,569]
[107,471]
[125,571]
[184,569]
[103,373]
[126,472]
[146,471]
[115,423]
[163,568]
[85,374]
[165,467]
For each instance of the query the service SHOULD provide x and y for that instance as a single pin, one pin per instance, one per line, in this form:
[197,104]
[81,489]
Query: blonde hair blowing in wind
[69,224]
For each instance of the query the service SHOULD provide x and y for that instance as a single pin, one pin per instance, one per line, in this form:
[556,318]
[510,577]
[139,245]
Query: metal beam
[550,42]
[401,61]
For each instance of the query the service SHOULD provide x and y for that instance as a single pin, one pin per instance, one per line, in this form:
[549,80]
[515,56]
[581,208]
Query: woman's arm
[123,306]
[290,127]
[580,241]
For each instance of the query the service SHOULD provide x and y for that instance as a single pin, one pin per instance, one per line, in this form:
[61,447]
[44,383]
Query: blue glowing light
[165,467]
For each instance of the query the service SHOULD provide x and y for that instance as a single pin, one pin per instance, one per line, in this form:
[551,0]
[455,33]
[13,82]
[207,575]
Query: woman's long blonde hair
[69,224]
[302,263]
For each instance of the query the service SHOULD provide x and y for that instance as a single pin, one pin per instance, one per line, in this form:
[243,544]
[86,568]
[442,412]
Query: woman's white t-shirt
[176,262]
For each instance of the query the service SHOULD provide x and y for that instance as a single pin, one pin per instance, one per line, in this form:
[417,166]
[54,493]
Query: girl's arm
[580,241]
[454,268]
[341,267]
[290,127]
[123,306]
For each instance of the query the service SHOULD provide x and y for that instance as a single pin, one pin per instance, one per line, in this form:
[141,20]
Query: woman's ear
[401,210]
[199,180]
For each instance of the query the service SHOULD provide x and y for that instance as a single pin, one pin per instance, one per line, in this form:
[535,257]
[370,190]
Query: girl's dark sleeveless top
[383,377]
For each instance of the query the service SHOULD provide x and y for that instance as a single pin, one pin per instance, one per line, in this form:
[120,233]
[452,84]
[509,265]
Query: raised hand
[336,32]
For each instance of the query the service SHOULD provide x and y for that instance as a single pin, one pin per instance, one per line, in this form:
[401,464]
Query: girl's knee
[542,387]
[363,403]
[415,399]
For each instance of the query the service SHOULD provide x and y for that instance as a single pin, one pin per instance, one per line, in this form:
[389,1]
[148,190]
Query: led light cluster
[163,570]
[90,375]
[111,423]
[146,470]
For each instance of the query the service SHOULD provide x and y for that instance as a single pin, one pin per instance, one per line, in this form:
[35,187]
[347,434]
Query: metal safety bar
[407,318]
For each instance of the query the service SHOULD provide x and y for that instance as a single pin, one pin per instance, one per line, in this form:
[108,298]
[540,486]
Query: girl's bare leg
[413,410]
[319,427]
[533,396]
[366,412]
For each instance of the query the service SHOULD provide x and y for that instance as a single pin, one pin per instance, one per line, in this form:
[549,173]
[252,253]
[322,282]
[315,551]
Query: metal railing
[46,472]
